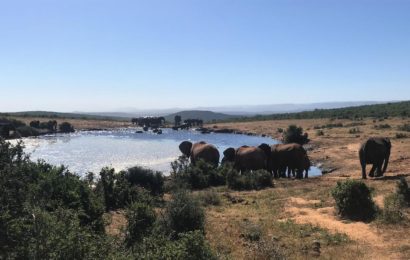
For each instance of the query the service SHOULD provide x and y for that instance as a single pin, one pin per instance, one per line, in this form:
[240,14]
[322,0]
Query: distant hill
[391,109]
[207,116]
[50,114]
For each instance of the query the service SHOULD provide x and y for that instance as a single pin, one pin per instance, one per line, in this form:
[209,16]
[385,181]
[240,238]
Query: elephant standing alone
[376,151]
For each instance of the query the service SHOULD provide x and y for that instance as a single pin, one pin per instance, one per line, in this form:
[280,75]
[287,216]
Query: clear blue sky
[96,55]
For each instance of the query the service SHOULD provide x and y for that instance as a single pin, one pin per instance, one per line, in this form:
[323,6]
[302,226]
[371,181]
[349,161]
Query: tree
[178,120]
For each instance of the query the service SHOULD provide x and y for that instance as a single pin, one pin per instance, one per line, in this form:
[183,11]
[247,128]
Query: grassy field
[297,218]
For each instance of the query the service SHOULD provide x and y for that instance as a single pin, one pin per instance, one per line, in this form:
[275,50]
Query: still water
[87,151]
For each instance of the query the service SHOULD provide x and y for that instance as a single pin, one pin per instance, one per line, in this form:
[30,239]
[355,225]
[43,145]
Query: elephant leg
[379,171]
[307,174]
[363,164]
[371,174]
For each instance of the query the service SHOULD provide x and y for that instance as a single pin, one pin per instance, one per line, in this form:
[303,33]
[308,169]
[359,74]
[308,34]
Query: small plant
[403,191]
[401,136]
[354,200]
[320,133]
[382,126]
[251,232]
[354,130]
[280,130]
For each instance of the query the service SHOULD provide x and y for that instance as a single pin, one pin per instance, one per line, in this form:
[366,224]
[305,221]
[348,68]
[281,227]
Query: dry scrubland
[295,216]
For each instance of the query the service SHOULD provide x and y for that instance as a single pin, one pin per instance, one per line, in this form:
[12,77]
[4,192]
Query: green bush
[184,213]
[250,180]
[146,178]
[66,127]
[382,126]
[392,212]
[294,134]
[401,136]
[190,245]
[354,200]
[403,191]
[141,218]
[199,176]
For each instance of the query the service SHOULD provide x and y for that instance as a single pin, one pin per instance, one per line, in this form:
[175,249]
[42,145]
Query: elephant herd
[277,159]
[281,158]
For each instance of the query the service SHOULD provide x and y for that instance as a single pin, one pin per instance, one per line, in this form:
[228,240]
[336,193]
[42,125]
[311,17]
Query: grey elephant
[291,157]
[375,151]
[200,150]
[247,157]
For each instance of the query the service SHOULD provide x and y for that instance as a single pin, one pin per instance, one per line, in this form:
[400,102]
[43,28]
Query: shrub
[251,231]
[66,127]
[280,130]
[25,131]
[392,212]
[403,191]
[141,218]
[293,134]
[209,197]
[354,130]
[184,214]
[382,126]
[354,200]
[401,136]
[189,245]
[199,176]
[146,178]
[320,133]
[250,180]
[404,127]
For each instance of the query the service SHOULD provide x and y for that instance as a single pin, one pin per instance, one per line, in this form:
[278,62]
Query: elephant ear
[185,148]
[266,148]
[229,154]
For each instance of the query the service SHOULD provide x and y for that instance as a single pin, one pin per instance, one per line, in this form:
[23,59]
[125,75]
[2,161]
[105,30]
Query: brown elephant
[376,151]
[291,157]
[200,150]
[247,157]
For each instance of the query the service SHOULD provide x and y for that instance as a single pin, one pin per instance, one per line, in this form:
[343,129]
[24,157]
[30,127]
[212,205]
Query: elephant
[247,157]
[291,157]
[200,150]
[376,151]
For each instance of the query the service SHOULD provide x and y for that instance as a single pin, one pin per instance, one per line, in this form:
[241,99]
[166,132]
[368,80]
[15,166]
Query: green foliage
[146,178]
[251,231]
[199,176]
[66,127]
[119,192]
[294,134]
[45,211]
[392,212]
[141,218]
[396,109]
[186,246]
[184,213]
[280,130]
[403,191]
[250,180]
[353,200]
